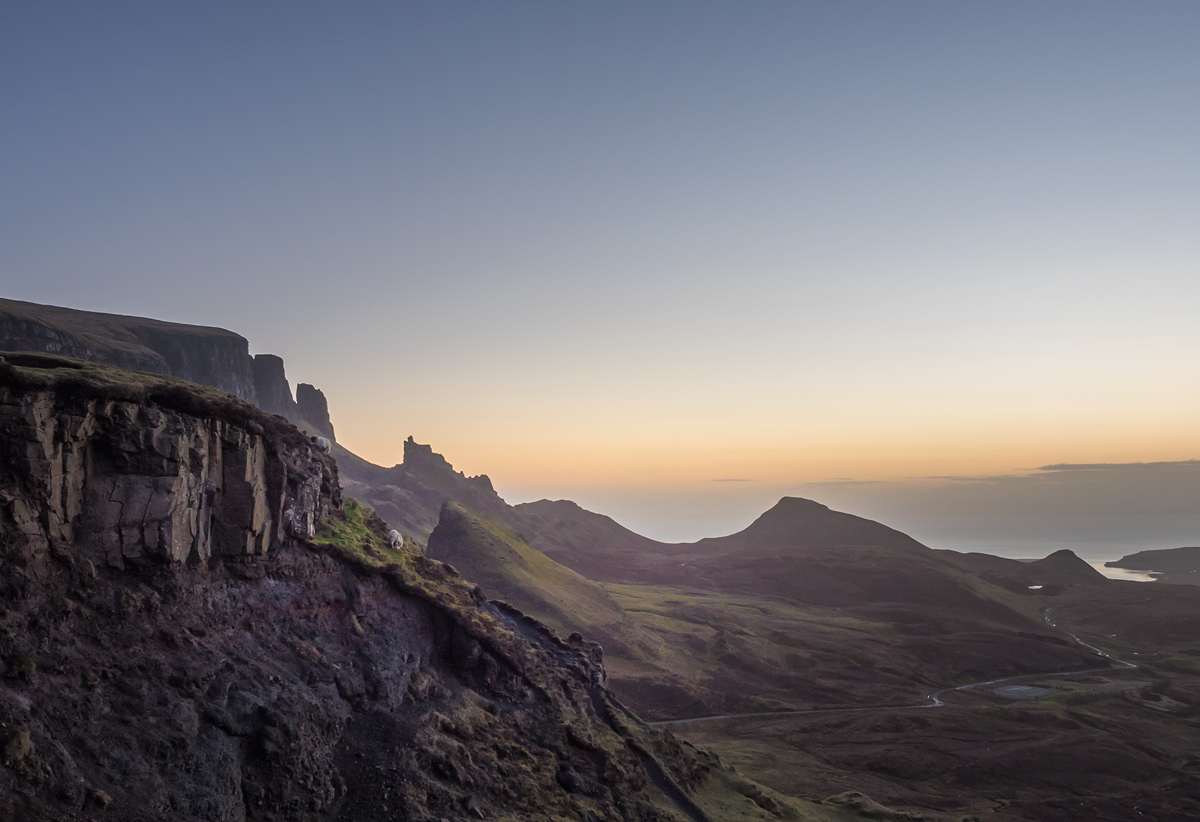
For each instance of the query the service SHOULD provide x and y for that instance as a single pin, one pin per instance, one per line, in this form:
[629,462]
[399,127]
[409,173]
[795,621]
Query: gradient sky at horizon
[618,252]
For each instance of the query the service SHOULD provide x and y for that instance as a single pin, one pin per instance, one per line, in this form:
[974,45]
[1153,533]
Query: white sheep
[323,444]
[396,537]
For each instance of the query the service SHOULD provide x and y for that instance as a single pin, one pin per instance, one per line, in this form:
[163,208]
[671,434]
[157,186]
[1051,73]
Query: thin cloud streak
[1104,466]
[1096,509]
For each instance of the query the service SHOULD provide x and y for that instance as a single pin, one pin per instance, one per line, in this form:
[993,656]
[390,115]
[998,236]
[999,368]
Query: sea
[1095,539]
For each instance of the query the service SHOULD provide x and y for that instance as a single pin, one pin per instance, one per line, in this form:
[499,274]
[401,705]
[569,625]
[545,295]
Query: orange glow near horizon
[694,455]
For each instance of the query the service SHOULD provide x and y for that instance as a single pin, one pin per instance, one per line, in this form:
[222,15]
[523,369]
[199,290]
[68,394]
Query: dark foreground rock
[193,627]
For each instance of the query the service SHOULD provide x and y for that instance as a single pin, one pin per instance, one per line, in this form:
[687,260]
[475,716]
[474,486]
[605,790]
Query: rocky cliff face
[314,408]
[272,392]
[22,331]
[120,468]
[110,481]
[208,356]
[193,627]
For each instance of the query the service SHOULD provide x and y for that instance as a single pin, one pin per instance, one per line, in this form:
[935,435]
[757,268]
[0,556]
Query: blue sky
[618,251]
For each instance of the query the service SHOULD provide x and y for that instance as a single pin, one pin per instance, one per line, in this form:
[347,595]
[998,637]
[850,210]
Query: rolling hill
[777,620]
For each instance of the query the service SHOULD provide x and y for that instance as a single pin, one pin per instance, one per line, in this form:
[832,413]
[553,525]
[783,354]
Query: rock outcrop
[410,495]
[273,394]
[193,626]
[314,409]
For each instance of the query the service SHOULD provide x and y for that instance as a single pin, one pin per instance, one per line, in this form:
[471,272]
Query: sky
[670,260]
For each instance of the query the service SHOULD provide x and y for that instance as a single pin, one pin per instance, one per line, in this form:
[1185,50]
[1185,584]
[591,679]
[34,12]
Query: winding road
[934,699]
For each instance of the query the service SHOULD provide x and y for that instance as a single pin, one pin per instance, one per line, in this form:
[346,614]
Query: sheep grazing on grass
[323,443]
[396,537]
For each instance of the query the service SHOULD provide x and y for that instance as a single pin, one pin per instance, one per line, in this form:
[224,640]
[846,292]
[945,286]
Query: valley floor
[1114,744]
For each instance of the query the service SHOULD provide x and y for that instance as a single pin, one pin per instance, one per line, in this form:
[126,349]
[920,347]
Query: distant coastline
[1176,566]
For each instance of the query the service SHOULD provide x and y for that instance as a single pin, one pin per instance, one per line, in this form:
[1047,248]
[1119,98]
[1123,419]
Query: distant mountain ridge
[802,523]
[201,354]
[1063,567]
[715,626]
[1045,576]
[410,495]
[584,541]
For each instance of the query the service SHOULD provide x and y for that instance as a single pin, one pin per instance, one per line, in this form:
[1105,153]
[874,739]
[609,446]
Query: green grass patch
[500,560]
[355,531]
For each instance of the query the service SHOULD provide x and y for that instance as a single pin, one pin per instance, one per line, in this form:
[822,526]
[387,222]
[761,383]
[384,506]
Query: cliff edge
[201,354]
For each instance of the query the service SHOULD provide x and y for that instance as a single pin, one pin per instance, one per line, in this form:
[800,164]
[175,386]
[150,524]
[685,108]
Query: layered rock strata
[92,476]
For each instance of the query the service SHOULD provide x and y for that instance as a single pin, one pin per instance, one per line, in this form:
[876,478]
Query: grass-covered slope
[506,567]
[358,533]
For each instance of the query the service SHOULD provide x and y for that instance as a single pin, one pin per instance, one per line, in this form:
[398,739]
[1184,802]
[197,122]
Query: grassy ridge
[506,567]
[356,531]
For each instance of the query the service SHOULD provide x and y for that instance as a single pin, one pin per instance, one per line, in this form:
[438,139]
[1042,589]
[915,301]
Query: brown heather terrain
[1113,744]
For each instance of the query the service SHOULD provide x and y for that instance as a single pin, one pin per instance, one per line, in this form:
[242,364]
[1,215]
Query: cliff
[208,356]
[312,406]
[193,626]
[273,394]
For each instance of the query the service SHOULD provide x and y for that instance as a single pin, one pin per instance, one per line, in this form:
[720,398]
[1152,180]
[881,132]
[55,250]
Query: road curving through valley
[934,699]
